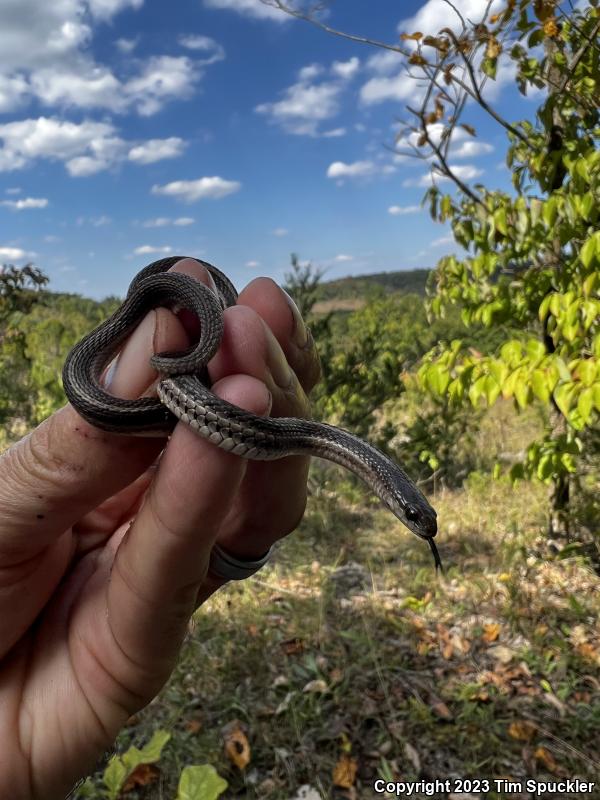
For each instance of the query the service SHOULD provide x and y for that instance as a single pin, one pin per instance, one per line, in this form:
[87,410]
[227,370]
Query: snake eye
[411,514]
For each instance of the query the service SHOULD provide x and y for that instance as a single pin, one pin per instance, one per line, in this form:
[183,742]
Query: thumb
[66,467]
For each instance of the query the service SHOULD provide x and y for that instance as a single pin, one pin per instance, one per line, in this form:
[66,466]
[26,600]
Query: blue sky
[133,129]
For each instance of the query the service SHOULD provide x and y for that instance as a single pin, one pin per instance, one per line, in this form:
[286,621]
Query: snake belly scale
[184,393]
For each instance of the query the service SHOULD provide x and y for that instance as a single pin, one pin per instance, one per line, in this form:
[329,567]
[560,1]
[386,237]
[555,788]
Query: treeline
[412,281]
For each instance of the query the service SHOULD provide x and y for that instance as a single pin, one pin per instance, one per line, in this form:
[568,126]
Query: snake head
[414,512]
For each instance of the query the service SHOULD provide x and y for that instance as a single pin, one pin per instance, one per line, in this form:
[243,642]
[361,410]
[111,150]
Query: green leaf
[522,391]
[586,371]
[550,211]
[438,379]
[585,404]
[114,777]
[545,467]
[539,384]
[590,249]
[500,221]
[491,389]
[200,783]
[535,349]
[489,67]
[564,395]
[476,390]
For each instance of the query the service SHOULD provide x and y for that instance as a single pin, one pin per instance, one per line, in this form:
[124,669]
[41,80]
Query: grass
[492,670]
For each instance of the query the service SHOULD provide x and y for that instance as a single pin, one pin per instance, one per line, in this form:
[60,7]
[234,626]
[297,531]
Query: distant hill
[347,294]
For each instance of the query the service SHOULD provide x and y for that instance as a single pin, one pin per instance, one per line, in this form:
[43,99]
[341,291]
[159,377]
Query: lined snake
[184,394]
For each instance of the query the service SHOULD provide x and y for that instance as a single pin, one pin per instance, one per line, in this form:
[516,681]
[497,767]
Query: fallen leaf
[336,676]
[447,651]
[523,730]
[546,758]
[252,629]
[344,773]
[413,756]
[316,686]
[292,646]
[502,653]
[491,632]
[285,703]
[441,710]
[193,726]
[237,747]
[588,651]
[142,775]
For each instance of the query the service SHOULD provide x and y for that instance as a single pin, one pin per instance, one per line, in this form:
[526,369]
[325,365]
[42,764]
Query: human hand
[103,553]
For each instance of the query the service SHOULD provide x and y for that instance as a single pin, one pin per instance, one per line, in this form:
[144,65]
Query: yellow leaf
[547,759]
[523,731]
[550,27]
[417,59]
[344,773]
[494,48]
[411,37]
[491,632]
[237,747]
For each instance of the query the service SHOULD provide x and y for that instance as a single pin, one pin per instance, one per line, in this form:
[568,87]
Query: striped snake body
[184,393]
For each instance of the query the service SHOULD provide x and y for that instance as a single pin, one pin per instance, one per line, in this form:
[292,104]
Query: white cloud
[126,45]
[442,241]
[471,149]
[205,44]
[13,190]
[398,211]
[394,87]
[280,232]
[333,133]
[393,83]
[303,106]
[14,254]
[162,222]
[199,189]
[358,169]
[310,72]
[346,69]
[91,87]
[147,249]
[156,150]
[437,14]
[250,8]
[384,62]
[13,91]
[342,257]
[26,202]
[45,56]
[86,148]
[162,77]
[252,264]
[465,172]
[105,9]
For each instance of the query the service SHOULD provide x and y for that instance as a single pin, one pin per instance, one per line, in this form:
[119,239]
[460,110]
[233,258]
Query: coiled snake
[184,394]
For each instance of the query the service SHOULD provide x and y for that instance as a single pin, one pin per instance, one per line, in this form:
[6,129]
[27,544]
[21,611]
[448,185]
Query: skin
[104,549]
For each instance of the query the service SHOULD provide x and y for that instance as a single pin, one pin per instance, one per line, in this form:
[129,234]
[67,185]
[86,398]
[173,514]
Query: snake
[184,393]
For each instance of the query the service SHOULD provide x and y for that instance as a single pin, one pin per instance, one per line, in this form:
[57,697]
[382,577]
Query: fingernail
[299,333]
[130,373]
[278,365]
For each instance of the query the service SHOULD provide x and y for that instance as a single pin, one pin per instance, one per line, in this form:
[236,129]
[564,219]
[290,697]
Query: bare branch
[351,36]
